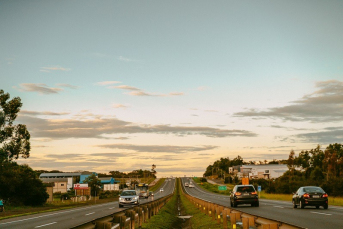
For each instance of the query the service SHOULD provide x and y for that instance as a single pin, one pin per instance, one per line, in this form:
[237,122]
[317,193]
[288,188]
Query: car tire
[257,204]
[234,204]
[120,205]
[294,205]
[317,207]
[302,205]
[326,206]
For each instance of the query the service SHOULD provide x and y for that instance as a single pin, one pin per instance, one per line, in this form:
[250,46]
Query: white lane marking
[46,224]
[90,213]
[278,207]
[111,208]
[57,213]
[321,213]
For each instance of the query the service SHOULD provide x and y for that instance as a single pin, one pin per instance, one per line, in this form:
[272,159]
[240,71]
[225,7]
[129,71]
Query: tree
[94,183]
[14,139]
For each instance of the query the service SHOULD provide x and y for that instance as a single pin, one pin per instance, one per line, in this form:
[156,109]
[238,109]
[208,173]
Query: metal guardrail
[238,219]
[129,218]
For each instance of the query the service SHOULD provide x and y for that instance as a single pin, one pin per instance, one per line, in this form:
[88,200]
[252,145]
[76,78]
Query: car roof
[241,185]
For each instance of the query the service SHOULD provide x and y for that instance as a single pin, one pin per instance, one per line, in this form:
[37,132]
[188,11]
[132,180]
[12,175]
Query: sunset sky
[122,85]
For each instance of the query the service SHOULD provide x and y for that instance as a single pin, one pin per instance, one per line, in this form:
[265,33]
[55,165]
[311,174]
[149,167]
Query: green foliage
[14,139]
[94,183]
[108,194]
[19,184]
[212,187]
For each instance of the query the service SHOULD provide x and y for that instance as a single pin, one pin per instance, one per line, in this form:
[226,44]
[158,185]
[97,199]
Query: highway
[76,216]
[309,217]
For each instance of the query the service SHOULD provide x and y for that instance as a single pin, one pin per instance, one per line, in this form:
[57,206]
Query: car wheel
[120,205]
[294,205]
[317,207]
[302,205]
[234,204]
[326,206]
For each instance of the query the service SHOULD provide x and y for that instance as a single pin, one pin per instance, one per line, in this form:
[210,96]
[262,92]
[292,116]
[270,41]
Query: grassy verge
[157,185]
[199,219]
[15,211]
[166,217]
[212,187]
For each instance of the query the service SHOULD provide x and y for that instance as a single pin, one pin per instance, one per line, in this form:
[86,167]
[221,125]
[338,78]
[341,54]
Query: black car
[310,196]
[244,194]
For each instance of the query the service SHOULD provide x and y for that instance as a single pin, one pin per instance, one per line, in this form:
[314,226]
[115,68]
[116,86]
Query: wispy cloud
[323,105]
[40,88]
[119,106]
[327,136]
[98,127]
[67,85]
[54,68]
[105,83]
[125,59]
[36,113]
[158,148]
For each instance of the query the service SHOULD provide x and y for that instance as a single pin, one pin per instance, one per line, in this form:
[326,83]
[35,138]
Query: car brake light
[254,193]
[238,193]
[325,195]
[306,195]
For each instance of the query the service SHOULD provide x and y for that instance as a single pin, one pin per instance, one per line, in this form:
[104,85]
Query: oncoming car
[161,190]
[310,196]
[128,197]
[244,194]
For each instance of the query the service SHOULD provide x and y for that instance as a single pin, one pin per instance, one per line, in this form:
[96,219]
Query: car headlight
[121,199]
[135,198]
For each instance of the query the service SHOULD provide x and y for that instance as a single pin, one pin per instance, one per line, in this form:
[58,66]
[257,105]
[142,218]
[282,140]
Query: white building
[269,171]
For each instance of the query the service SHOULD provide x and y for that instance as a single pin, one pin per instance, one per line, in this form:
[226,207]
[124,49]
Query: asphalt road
[76,216]
[309,217]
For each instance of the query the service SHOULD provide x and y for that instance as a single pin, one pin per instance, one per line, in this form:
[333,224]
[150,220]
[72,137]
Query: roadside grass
[198,219]
[157,185]
[166,217]
[213,188]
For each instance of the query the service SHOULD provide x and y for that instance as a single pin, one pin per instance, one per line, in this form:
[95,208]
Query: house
[59,184]
[73,178]
[269,171]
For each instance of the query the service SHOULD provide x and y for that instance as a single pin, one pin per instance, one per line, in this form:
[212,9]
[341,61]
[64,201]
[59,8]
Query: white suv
[128,197]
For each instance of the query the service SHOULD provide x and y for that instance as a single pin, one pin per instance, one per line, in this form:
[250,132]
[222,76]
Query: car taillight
[306,195]
[253,193]
[325,195]
[238,193]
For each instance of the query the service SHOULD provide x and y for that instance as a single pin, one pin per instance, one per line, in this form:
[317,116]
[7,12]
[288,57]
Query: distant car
[186,184]
[128,197]
[161,190]
[310,196]
[244,194]
[151,193]
[191,186]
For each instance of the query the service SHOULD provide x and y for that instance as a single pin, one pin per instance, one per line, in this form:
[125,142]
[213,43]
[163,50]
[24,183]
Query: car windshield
[128,193]
[313,189]
[246,189]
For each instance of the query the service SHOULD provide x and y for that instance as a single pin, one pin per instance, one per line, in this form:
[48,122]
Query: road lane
[76,216]
[309,217]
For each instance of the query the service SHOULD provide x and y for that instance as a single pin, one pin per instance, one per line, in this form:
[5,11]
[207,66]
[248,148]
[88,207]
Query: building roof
[65,174]
[48,180]
[268,166]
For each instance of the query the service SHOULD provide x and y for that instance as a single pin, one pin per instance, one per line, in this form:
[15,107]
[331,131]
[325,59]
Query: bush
[203,179]
[108,194]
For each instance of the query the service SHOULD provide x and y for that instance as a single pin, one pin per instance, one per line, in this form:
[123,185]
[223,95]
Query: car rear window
[313,189]
[246,189]
[128,193]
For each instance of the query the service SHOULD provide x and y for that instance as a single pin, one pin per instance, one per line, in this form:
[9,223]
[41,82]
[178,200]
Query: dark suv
[310,196]
[244,194]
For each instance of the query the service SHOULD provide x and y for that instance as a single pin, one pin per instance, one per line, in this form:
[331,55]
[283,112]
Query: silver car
[128,197]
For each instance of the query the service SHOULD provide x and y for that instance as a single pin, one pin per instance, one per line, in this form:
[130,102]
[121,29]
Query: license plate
[315,196]
[246,194]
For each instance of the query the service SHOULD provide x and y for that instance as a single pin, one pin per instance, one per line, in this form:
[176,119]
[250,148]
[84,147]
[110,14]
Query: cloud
[119,106]
[157,148]
[330,135]
[67,85]
[55,68]
[40,88]
[98,127]
[324,105]
[35,113]
[125,59]
[105,83]
[134,91]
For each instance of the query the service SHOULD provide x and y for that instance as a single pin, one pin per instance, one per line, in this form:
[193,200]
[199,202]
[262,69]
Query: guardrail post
[224,218]
[213,212]
[122,222]
[245,222]
[103,225]
[233,220]
[146,213]
[219,220]
[251,221]
[270,226]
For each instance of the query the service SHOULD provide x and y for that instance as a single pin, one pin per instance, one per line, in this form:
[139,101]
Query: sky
[122,85]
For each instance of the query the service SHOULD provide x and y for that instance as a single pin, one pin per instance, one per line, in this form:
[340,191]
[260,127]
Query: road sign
[259,188]
[222,188]
[80,186]
[245,181]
